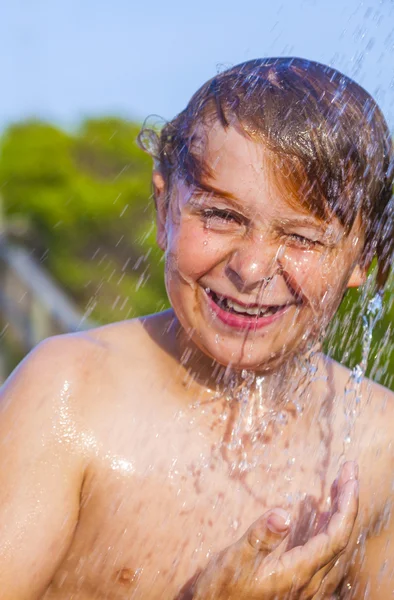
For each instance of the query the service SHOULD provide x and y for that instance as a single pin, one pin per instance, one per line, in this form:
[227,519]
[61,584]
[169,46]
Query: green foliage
[345,339]
[85,198]
[87,201]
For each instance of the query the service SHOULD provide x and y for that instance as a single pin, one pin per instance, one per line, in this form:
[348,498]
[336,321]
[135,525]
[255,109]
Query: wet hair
[332,149]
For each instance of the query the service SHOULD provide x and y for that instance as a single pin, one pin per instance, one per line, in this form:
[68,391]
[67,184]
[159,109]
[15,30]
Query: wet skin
[117,496]
[113,480]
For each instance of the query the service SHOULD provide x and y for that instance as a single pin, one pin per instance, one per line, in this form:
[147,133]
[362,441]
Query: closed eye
[302,241]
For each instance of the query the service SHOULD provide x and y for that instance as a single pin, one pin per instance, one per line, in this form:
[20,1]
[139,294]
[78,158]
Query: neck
[281,385]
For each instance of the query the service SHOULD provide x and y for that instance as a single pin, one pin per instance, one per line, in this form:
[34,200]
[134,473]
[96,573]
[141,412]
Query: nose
[253,263]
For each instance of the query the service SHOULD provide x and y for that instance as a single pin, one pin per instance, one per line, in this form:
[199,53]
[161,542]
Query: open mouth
[243,315]
[248,310]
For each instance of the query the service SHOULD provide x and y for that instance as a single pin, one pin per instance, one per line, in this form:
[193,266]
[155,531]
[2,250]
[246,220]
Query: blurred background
[78,79]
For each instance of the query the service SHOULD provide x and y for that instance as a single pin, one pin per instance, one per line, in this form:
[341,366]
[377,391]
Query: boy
[211,451]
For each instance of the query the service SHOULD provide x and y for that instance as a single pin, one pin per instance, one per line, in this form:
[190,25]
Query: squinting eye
[220,215]
[302,241]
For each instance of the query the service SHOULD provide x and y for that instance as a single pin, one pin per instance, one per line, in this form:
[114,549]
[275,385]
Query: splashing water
[353,391]
[254,409]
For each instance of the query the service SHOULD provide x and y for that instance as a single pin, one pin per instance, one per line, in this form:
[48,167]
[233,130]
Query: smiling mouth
[249,311]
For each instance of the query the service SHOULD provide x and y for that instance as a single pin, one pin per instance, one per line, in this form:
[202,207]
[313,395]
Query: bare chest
[146,527]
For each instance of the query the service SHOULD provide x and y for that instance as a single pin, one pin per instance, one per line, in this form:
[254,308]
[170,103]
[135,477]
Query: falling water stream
[352,394]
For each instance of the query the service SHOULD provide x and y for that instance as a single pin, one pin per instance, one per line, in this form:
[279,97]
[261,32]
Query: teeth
[253,311]
[242,309]
[227,304]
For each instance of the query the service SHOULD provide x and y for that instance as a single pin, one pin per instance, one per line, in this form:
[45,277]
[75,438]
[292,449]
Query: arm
[41,471]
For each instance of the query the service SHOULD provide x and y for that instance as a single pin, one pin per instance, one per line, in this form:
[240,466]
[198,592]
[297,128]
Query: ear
[159,189]
[358,277]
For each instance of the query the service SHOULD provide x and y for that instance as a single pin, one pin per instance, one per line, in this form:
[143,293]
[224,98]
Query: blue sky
[65,59]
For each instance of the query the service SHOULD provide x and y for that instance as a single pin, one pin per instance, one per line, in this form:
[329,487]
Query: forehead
[223,148]
[246,169]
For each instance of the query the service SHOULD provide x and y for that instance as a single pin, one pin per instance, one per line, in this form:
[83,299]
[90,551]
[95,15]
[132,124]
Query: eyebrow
[209,189]
[304,222]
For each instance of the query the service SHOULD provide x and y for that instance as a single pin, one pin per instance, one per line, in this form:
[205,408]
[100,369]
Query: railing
[32,306]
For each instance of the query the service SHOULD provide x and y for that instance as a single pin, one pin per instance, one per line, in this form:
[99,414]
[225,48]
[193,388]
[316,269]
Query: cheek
[315,274]
[194,250]
[305,268]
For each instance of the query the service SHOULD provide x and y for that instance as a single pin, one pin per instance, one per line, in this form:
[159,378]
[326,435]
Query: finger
[317,581]
[348,472]
[340,525]
[333,581]
[342,521]
[320,550]
[265,534]
[236,565]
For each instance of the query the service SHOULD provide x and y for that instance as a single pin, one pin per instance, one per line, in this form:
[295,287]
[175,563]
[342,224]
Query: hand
[257,567]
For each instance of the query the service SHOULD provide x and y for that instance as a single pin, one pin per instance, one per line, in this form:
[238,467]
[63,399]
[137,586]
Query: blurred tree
[85,200]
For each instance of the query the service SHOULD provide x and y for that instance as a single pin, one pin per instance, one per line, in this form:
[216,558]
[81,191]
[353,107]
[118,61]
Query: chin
[241,356]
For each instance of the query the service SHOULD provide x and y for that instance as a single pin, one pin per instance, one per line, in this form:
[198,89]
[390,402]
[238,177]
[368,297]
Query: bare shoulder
[70,369]
[376,402]
[130,352]
[371,425]
[59,360]
[83,356]
[138,338]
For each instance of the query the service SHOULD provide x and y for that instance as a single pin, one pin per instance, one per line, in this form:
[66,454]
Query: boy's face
[250,277]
